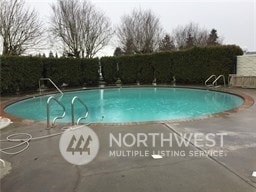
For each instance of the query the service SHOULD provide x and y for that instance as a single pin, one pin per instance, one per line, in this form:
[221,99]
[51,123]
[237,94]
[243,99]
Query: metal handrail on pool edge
[209,80]
[48,111]
[48,79]
[215,82]
[72,110]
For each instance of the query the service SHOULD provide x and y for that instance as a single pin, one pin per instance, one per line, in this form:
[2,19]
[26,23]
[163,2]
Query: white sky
[235,20]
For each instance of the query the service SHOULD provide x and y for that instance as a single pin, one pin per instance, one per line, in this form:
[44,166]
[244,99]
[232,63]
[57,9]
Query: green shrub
[74,72]
[23,73]
[90,71]
[109,69]
[189,66]
[63,70]
[128,69]
[20,73]
[162,63]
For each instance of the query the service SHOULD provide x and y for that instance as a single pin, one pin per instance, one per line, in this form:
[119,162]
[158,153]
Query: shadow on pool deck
[42,168]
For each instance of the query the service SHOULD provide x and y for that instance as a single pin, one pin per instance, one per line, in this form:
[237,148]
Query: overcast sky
[235,20]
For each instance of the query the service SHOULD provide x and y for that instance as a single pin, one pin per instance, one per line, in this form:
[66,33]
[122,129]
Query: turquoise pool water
[120,105]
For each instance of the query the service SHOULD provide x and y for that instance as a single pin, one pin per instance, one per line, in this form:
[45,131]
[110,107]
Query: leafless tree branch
[82,29]
[190,35]
[139,32]
[20,28]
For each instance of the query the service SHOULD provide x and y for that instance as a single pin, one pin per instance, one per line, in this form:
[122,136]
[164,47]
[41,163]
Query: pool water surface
[122,105]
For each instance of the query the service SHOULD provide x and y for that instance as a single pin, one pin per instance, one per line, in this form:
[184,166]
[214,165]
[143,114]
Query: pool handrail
[206,81]
[48,111]
[48,79]
[76,98]
[216,80]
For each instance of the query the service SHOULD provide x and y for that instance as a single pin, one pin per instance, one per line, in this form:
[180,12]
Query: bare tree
[82,30]
[190,35]
[20,28]
[139,32]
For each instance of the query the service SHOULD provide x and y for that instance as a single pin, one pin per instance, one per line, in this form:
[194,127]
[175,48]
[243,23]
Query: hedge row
[188,66]
[23,73]
[74,72]
[19,73]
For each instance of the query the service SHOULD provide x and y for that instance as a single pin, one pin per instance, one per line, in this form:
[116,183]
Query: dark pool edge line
[248,102]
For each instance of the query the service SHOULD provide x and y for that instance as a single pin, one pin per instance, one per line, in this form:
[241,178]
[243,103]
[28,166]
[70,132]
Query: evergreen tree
[118,52]
[167,43]
[213,37]
[189,41]
[51,54]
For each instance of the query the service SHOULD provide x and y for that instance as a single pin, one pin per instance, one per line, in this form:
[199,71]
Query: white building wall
[246,65]
[245,72]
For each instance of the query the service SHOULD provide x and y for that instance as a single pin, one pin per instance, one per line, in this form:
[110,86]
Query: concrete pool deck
[42,168]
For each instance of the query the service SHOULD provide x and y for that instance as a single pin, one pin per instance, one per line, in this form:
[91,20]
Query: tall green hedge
[23,73]
[197,64]
[20,73]
[74,72]
[188,66]
[109,69]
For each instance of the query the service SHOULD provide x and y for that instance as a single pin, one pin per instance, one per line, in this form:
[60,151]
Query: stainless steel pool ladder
[73,110]
[216,80]
[214,83]
[48,79]
[48,111]
[207,80]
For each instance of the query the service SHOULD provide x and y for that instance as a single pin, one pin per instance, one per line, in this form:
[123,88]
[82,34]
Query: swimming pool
[122,105]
